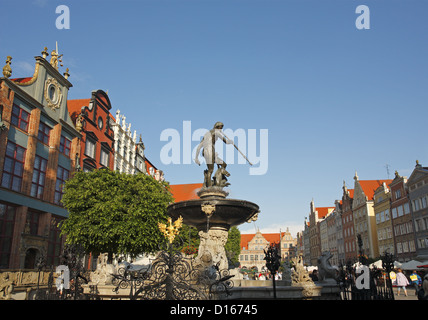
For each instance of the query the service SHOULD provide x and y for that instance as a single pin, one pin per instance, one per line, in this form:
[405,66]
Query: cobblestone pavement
[410,294]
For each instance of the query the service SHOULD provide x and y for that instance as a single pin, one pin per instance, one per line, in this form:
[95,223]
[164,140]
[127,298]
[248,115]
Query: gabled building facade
[39,145]
[92,118]
[335,234]
[364,216]
[382,210]
[129,153]
[306,243]
[349,236]
[418,196]
[402,222]
[315,217]
[253,246]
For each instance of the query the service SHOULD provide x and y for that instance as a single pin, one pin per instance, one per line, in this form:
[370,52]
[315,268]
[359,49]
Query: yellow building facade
[382,210]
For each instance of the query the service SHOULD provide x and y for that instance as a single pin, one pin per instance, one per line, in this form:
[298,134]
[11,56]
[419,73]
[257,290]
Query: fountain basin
[218,212]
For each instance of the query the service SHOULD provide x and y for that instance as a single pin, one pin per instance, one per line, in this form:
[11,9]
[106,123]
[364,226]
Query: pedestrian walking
[416,281]
[402,282]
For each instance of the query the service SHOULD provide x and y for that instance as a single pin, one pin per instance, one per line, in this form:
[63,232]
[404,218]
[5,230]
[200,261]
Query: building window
[65,146]
[416,205]
[54,242]
[39,174]
[32,222]
[44,132]
[424,202]
[61,177]
[7,223]
[400,211]
[406,208]
[13,167]
[125,152]
[90,148]
[398,194]
[104,157]
[20,118]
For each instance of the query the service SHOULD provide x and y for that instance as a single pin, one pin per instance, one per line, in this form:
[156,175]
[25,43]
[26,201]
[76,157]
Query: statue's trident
[222,132]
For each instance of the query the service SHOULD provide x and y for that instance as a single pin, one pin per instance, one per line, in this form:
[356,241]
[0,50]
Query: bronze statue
[211,157]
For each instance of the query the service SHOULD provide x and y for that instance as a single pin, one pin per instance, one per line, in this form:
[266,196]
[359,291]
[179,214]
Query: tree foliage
[115,212]
[233,245]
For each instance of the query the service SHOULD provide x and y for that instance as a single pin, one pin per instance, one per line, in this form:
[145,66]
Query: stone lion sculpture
[325,270]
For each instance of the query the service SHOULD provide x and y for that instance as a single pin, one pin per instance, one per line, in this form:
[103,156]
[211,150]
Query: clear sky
[334,99]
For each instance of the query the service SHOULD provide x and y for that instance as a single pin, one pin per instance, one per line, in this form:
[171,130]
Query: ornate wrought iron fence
[174,277]
[71,258]
[380,284]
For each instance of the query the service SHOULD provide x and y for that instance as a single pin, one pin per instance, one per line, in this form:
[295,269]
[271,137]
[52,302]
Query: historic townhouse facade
[129,153]
[349,236]
[418,196]
[323,229]
[39,146]
[92,119]
[306,243]
[253,246]
[402,222]
[339,232]
[335,234]
[382,210]
[315,217]
[363,214]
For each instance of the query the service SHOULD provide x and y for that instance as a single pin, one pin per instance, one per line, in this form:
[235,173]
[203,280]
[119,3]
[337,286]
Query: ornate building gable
[359,196]
[47,88]
[364,190]
[129,154]
[418,177]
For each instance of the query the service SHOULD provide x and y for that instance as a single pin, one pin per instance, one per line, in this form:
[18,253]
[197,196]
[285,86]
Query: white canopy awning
[411,265]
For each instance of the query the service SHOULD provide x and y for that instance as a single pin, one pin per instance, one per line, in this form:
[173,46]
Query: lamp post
[273,259]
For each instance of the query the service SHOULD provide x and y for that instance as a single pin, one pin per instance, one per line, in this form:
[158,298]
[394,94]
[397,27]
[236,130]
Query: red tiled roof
[271,237]
[76,105]
[183,192]
[369,186]
[21,80]
[323,211]
[245,238]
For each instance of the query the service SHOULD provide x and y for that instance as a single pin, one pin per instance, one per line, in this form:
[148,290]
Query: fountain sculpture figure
[213,214]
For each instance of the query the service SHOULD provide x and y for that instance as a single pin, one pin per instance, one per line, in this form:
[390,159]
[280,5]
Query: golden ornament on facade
[45,52]
[66,74]
[171,230]
[7,70]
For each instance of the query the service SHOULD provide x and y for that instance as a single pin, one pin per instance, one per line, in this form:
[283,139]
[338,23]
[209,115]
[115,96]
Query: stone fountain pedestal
[213,215]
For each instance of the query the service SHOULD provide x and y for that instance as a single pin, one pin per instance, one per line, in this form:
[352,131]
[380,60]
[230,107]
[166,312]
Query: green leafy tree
[233,245]
[115,212]
[187,239]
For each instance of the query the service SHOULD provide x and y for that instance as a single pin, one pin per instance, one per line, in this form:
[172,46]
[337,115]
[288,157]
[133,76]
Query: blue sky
[333,98]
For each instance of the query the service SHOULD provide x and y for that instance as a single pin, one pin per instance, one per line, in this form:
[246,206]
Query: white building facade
[129,154]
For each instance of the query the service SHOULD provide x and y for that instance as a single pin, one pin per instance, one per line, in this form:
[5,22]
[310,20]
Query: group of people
[415,280]
[263,275]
